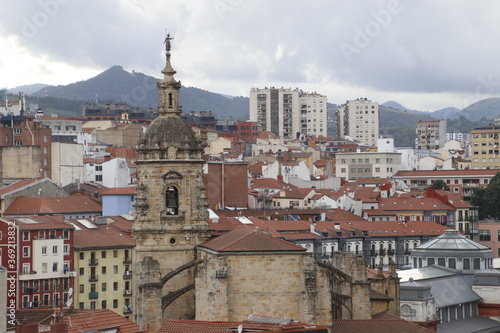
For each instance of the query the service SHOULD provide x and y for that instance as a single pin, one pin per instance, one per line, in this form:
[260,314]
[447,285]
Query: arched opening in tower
[169,100]
[172,200]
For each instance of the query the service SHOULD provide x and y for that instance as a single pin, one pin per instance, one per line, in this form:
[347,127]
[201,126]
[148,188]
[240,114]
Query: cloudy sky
[426,55]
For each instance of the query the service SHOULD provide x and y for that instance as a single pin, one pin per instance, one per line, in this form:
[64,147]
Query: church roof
[249,240]
[451,240]
[166,131]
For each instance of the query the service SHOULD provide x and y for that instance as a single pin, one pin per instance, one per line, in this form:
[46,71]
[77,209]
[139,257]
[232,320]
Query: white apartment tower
[359,119]
[289,113]
[431,134]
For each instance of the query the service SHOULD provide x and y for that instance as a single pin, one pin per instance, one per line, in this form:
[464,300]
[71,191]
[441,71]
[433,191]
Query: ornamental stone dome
[453,250]
[169,130]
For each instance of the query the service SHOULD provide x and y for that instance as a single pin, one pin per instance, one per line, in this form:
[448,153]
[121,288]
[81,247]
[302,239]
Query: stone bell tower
[171,211]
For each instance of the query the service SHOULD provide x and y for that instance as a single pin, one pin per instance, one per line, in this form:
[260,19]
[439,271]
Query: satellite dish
[240,328]
[70,292]
[69,302]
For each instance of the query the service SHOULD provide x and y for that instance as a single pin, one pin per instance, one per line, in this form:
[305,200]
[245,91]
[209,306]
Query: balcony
[93,295]
[127,309]
[127,293]
[93,261]
[93,277]
[127,260]
[127,275]
[390,252]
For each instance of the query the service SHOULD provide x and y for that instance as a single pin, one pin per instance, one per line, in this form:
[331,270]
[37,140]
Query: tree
[439,184]
[488,199]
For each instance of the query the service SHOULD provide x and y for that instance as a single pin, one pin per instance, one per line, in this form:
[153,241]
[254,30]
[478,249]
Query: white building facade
[359,119]
[289,113]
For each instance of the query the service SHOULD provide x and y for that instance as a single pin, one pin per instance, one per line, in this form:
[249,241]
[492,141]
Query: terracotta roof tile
[81,320]
[22,183]
[103,235]
[249,240]
[53,205]
[129,190]
[446,173]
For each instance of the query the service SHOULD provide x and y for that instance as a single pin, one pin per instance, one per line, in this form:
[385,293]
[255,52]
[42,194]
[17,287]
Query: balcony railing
[127,260]
[93,261]
[127,275]
[93,295]
[127,309]
[93,277]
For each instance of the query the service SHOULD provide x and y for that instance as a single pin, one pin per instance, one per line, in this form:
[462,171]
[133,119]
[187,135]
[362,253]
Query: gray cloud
[406,47]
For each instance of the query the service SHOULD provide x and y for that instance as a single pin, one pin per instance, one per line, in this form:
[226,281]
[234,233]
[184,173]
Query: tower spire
[168,88]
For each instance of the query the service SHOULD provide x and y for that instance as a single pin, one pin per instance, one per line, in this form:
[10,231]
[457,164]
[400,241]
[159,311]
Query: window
[66,248]
[430,261]
[115,253]
[115,286]
[92,305]
[466,263]
[115,269]
[54,249]
[484,235]
[82,271]
[103,304]
[26,251]
[66,234]
[103,269]
[103,286]
[82,255]
[103,254]
[44,267]
[41,234]
[46,285]
[26,235]
[477,263]
[54,267]
[115,303]
[44,250]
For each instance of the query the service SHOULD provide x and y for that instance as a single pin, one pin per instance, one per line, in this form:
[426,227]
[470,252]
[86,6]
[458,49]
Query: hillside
[138,89]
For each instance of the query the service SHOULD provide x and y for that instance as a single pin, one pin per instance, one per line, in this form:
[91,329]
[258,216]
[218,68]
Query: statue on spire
[168,45]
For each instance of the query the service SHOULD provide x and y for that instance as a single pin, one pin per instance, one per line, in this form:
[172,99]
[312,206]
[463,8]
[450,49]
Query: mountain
[28,88]
[137,89]
[488,108]
[446,113]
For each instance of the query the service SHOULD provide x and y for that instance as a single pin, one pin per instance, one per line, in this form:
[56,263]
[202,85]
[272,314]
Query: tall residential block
[484,142]
[431,134]
[359,119]
[289,113]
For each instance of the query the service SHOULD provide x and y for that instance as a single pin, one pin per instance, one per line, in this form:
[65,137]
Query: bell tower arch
[171,211]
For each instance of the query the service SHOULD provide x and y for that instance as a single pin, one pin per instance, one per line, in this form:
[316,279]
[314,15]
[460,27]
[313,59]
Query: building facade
[367,165]
[431,134]
[288,113]
[485,147]
[38,255]
[359,119]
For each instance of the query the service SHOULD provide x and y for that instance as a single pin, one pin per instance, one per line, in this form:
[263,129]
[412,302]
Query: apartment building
[359,119]
[38,254]
[103,263]
[431,134]
[289,113]
[460,182]
[367,165]
[484,143]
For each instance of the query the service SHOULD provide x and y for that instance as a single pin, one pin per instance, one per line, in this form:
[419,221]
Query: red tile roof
[253,324]
[129,190]
[53,205]
[99,236]
[249,240]
[22,183]
[39,222]
[80,320]
[413,204]
[379,323]
[269,183]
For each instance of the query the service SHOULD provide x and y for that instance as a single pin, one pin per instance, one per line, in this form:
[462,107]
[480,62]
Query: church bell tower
[170,212]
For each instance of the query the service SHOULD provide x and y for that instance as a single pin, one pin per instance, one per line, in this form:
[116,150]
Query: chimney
[337,226]
[312,228]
